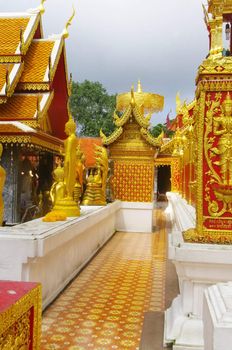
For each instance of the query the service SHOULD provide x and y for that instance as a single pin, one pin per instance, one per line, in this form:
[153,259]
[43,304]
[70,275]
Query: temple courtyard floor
[118,299]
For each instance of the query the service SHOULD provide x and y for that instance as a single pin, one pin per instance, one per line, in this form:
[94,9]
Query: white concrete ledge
[53,253]
[135,217]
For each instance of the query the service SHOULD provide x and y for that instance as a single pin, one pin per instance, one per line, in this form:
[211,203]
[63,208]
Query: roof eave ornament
[41,7]
[7,82]
[65,32]
[38,10]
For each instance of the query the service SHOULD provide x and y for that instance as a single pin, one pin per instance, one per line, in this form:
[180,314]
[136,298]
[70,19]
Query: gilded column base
[193,236]
[69,206]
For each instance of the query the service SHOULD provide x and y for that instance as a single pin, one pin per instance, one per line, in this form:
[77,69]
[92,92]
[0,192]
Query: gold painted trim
[58,56]
[11,59]
[33,86]
[33,141]
[32,33]
[15,80]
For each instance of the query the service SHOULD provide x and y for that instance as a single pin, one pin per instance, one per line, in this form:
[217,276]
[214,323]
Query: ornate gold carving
[200,134]
[112,138]
[32,141]
[193,236]
[133,181]
[120,121]
[15,321]
[18,335]
[218,125]
[156,142]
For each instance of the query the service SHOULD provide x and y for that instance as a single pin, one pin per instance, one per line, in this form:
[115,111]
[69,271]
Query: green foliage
[92,107]
[157,129]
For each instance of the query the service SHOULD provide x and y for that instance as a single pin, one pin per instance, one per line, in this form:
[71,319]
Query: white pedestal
[53,253]
[217,317]
[198,266]
[135,217]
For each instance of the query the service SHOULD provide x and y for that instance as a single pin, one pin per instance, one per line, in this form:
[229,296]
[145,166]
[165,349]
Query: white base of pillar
[183,332]
[198,267]
[135,217]
[217,317]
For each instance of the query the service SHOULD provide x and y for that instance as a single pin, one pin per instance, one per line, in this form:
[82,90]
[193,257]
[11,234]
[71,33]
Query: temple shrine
[34,93]
[123,262]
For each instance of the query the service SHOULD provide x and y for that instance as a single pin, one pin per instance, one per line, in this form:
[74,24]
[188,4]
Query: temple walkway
[103,308]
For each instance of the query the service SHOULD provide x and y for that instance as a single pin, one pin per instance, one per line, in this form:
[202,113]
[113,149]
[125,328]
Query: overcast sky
[117,42]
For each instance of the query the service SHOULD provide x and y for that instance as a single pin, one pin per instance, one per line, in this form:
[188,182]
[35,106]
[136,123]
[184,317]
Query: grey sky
[118,42]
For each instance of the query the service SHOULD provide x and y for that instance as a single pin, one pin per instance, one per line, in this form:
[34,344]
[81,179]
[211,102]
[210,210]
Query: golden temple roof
[133,106]
[19,107]
[23,106]
[10,34]
[29,63]
[37,61]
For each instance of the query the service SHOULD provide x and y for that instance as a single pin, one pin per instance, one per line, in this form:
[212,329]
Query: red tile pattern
[103,308]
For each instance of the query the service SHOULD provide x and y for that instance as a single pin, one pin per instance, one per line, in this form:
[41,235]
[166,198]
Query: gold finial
[41,7]
[132,96]
[69,22]
[139,86]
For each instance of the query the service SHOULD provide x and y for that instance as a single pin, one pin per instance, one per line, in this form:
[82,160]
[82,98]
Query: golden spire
[132,96]
[69,22]
[41,7]
[139,86]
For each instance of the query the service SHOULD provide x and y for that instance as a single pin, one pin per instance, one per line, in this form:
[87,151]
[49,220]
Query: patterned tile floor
[103,308]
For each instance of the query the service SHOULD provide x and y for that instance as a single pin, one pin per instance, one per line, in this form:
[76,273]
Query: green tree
[157,129]
[92,107]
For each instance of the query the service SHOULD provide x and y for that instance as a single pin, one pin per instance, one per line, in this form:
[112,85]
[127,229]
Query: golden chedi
[132,148]
[67,203]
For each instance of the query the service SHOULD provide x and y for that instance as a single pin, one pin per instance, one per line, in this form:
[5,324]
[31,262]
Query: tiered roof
[34,86]
[132,106]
